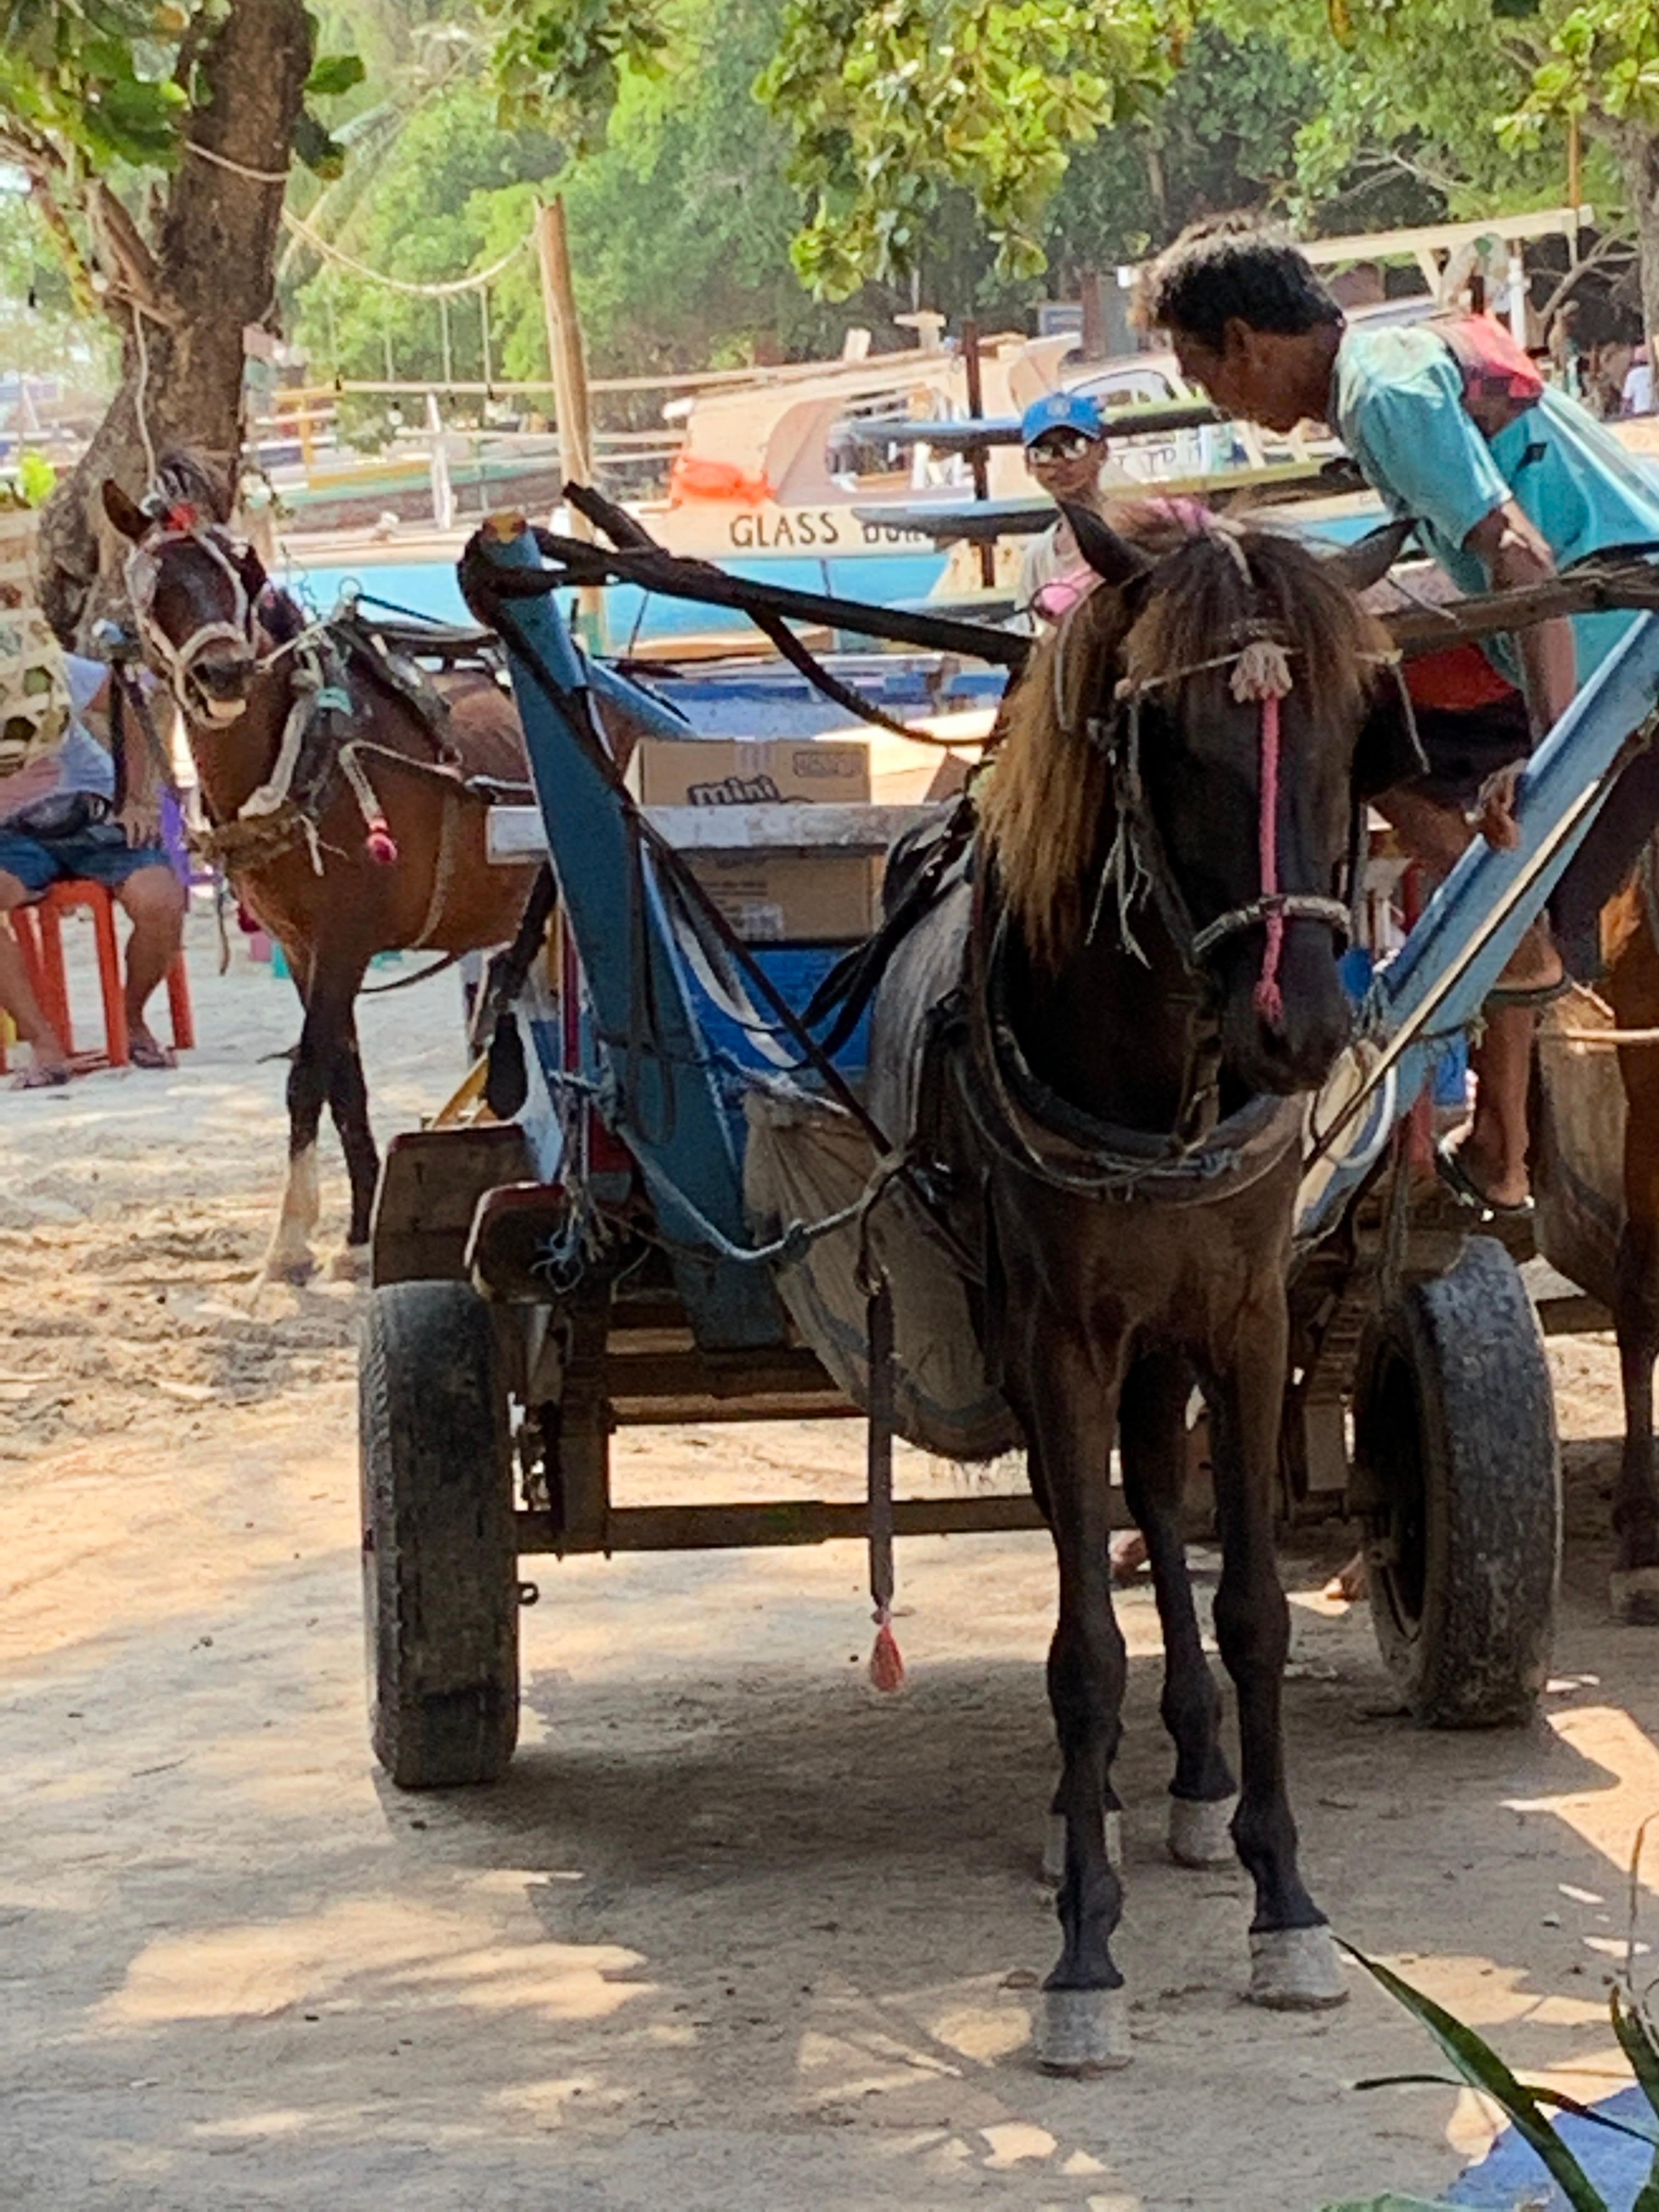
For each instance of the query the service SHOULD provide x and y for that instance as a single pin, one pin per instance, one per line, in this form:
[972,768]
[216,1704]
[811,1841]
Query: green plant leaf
[1482,2067]
[333,73]
[321,152]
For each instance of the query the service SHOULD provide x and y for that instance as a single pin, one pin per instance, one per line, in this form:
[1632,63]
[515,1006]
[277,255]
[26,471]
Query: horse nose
[224,676]
[1296,1049]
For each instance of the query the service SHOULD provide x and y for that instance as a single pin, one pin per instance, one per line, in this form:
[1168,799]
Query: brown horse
[1596,1174]
[343,813]
[1146,979]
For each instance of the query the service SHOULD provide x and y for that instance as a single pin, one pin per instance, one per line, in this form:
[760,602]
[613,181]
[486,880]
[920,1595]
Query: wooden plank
[1442,237]
[518,832]
[1575,1315]
[776,1371]
[1590,590]
[782,1521]
[656,1413]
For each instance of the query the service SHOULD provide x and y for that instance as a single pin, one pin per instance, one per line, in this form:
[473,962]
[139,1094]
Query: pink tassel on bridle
[1263,673]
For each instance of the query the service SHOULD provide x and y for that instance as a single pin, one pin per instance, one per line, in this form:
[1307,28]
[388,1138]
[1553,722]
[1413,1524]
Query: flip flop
[144,1052]
[1465,1189]
[41,1079]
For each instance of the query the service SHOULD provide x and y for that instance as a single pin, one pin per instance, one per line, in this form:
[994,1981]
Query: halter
[180,525]
[1139,861]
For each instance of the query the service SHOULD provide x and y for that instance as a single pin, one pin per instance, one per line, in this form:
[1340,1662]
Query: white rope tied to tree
[451,289]
[237,169]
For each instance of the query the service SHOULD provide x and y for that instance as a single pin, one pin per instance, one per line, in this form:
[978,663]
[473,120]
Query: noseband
[1139,860]
[179,527]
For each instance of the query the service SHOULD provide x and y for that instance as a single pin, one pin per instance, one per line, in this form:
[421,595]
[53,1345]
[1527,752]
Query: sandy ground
[734,1933]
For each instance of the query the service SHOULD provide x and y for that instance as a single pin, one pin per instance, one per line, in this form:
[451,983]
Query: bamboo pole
[570,372]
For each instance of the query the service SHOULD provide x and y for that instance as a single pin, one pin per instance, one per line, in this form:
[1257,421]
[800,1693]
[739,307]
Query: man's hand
[1494,805]
[141,818]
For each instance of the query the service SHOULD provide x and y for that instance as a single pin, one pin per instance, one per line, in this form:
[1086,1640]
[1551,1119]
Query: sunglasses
[1065,446]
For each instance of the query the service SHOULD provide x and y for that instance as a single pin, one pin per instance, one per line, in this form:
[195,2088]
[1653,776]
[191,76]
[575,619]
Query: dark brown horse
[342,814]
[1148,979]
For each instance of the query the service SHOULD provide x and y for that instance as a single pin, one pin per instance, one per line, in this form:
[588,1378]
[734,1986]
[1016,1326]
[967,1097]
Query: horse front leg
[348,1100]
[327,996]
[1069,1412]
[1293,1961]
[1152,1433]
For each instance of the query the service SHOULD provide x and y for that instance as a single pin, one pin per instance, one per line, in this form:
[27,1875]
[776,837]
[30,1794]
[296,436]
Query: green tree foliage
[681,221]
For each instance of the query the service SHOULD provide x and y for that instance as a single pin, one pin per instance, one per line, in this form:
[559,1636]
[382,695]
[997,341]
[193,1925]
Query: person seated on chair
[58,824]
[1506,477]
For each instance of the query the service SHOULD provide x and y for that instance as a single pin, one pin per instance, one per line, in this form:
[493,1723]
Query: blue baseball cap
[1062,410]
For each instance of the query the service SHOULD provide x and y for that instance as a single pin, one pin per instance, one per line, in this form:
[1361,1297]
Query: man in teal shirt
[1251,322]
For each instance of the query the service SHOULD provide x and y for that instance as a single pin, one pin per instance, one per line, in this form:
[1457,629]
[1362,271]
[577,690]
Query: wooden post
[1092,293]
[977,458]
[568,368]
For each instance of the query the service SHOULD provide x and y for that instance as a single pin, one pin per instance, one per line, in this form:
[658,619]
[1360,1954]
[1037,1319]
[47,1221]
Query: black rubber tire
[441,1594]
[1459,1464]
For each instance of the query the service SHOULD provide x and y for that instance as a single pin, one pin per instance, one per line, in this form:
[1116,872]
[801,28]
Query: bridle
[180,524]
[1138,862]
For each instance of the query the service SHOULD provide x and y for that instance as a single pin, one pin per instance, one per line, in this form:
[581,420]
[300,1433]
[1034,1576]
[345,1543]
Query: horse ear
[251,570]
[1113,559]
[127,516]
[1370,558]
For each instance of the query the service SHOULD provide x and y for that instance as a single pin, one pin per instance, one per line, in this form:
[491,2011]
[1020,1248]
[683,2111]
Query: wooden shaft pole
[570,372]
[977,461]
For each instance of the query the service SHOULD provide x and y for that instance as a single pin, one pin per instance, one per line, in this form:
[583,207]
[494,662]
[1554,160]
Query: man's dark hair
[1231,266]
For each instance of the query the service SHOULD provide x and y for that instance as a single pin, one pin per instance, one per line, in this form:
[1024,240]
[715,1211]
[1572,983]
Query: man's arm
[1513,554]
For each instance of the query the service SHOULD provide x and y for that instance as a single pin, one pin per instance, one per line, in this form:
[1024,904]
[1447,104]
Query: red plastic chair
[40,939]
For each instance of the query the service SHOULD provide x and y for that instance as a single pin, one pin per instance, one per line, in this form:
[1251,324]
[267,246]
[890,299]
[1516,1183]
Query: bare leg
[153,899]
[1493,1153]
[17,996]
[1153,1438]
[1293,1961]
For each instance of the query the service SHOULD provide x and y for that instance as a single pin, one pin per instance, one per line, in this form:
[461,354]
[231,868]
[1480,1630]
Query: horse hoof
[1201,1833]
[1053,1847]
[350,1264]
[1634,1593]
[1083,2032]
[1295,1970]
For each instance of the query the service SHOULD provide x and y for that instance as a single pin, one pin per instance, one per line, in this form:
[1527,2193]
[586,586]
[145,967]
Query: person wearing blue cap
[1064,434]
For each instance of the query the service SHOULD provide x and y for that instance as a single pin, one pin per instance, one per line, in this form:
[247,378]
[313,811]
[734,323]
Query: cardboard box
[794,898]
[748,771]
[770,897]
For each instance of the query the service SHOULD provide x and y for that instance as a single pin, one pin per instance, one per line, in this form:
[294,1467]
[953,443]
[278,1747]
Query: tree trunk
[1639,152]
[212,274]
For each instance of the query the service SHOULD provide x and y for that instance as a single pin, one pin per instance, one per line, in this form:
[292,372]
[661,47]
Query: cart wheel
[439,1560]
[1458,1463]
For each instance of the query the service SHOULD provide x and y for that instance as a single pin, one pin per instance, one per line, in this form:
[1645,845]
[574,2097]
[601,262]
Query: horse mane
[1043,811]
